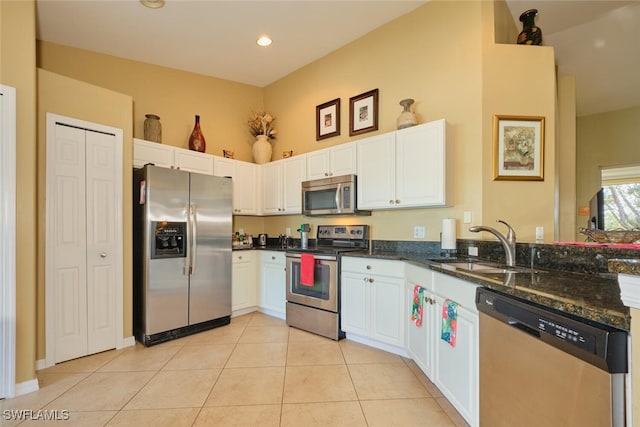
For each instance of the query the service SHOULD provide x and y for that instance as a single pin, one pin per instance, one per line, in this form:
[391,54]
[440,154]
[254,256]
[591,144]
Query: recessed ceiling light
[153,4]
[264,41]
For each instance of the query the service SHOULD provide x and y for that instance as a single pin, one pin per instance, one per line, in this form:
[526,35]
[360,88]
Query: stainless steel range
[313,279]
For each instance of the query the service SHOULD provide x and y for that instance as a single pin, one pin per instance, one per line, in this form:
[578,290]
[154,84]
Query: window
[621,191]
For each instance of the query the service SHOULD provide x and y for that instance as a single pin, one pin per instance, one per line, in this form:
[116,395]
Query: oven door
[324,292]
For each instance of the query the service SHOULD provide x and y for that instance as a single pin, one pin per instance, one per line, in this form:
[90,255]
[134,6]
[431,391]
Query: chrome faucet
[508,243]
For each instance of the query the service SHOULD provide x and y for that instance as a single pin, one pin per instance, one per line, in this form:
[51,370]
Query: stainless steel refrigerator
[182,226]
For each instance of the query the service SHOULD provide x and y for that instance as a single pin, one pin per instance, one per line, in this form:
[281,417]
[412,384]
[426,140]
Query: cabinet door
[294,171]
[376,172]
[224,167]
[343,159]
[354,311]
[273,282]
[456,368]
[387,310]
[245,195]
[151,152]
[420,337]
[193,161]
[243,291]
[271,188]
[318,164]
[420,165]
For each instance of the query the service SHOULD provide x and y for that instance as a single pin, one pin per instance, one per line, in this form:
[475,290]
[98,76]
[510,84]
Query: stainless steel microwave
[331,196]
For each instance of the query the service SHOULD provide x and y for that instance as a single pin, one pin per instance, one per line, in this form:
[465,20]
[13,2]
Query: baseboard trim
[377,344]
[27,387]
[41,364]
[127,342]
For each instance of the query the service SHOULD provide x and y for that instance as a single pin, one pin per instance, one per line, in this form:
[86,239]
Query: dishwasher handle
[523,327]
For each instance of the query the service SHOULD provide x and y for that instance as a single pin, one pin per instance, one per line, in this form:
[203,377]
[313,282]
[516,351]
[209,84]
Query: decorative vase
[530,34]
[262,150]
[152,128]
[196,140]
[407,118]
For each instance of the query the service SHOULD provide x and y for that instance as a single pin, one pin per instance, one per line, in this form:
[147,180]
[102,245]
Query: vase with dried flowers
[262,128]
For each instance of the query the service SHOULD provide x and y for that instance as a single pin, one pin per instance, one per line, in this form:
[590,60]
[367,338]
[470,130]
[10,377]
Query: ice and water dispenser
[169,239]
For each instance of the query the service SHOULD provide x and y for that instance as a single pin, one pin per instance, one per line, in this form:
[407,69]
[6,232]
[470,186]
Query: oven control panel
[343,232]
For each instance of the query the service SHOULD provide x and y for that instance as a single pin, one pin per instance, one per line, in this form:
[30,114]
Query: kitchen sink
[488,268]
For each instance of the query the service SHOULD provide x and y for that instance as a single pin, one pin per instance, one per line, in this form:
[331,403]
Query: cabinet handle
[390,202]
[397,202]
[369,267]
[326,174]
[240,257]
[370,280]
[273,257]
[103,255]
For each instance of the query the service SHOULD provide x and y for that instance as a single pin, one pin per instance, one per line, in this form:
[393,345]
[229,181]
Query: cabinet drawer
[273,257]
[241,256]
[373,266]
[460,291]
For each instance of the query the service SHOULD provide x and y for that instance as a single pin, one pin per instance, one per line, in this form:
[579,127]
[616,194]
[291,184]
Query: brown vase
[196,140]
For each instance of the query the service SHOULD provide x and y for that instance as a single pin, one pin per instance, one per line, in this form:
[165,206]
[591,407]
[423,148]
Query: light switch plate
[418,232]
[467,217]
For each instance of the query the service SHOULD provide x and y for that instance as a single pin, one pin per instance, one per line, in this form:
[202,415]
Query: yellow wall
[175,96]
[18,69]
[72,98]
[607,139]
[518,80]
[566,163]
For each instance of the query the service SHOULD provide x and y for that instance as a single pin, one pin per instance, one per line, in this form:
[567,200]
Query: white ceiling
[597,41]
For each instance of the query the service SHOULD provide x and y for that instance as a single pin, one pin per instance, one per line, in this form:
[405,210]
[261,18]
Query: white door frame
[8,245]
[50,297]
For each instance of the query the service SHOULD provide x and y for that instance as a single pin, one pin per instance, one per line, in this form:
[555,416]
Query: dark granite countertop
[625,266]
[587,296]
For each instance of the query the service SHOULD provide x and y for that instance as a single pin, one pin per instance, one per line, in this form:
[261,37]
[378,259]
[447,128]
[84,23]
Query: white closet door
[69,245]
[85,242]
[100,240]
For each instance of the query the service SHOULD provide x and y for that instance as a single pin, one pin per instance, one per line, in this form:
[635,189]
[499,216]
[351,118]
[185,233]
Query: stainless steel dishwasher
[542,368]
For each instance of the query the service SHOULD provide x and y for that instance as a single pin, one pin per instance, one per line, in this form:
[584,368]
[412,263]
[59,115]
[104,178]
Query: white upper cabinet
[281,186]
[406,168]
[151,152]
[333,161]
[193,161]
[167,156]
[245,183]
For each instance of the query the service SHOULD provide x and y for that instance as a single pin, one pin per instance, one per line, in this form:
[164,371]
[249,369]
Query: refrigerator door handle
[187,259]
[194,233]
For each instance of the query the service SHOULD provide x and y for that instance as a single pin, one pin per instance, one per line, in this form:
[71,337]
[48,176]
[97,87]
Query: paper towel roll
[448,235]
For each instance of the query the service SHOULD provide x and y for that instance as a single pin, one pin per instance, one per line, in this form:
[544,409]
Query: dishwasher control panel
[601,345]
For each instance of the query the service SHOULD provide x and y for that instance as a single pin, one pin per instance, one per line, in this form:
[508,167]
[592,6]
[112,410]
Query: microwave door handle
[339,198]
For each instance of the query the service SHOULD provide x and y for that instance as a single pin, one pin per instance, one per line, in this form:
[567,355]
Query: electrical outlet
[241,231]
[287,231]
[418,232]
[473,251]
[467,217]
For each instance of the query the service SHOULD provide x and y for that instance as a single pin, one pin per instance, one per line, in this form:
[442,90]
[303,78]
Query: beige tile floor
[255,372]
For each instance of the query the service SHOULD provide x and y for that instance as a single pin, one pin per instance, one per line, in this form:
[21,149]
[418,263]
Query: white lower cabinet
[372,299]
[273,283]
[456,368]
[243,282]
[419,338]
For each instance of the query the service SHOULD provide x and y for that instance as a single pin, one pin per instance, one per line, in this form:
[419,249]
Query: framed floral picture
[518,148]
[363,113]
[328,119]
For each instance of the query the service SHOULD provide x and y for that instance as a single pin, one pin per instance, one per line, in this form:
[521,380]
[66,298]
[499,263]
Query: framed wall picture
[328,119]
[363,113]
[518,148]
